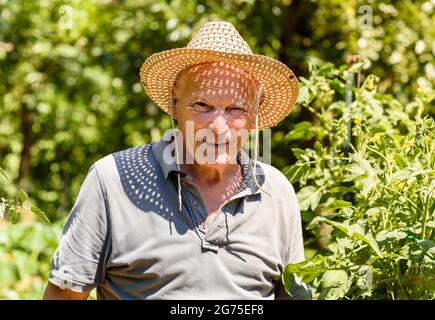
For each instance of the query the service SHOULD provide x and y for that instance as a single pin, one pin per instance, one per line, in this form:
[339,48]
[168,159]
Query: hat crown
[219,36]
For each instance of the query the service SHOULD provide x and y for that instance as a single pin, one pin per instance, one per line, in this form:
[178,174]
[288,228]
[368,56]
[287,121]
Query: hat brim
[280,85]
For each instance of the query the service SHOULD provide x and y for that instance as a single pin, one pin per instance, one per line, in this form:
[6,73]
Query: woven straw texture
[220,41]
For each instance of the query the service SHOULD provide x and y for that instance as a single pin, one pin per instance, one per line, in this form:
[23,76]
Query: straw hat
[220,41]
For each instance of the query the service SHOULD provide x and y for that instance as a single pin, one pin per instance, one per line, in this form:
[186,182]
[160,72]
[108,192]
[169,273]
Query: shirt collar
[164,159]
[168,165]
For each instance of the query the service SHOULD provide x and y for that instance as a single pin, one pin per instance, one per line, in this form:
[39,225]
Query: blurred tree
[70,90]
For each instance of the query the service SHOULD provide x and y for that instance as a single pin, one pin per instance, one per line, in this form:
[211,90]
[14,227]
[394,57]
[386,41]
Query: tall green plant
[379,199]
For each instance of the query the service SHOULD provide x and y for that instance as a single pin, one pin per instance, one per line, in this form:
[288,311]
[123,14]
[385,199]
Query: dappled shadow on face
[219,84]
[216,104]
[140,175]
[219,79]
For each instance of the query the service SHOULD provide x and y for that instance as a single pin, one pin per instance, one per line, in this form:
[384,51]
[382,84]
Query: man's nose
[219,123]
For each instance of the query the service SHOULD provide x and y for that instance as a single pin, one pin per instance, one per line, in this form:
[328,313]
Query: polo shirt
[126,236]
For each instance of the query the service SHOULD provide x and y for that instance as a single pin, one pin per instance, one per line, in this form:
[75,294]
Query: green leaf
[301,131]
[340,189]
[354,171]
[41,215]
[318,146]
[428,245]
[300,154]
[347,212]
[14,214]
[400,160]
[344,243]
[353,231]
[430,224]
[21,196]
[307,216]
[368,185]
[296,172]
[336,283]
[309,198]
[389,235]
[339,204]
[359,168]
[370,241]
[308,270]
[319,219]
[373,211]
[304,95]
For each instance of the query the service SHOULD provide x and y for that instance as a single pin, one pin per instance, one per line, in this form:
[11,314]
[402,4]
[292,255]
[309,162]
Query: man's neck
[206,174]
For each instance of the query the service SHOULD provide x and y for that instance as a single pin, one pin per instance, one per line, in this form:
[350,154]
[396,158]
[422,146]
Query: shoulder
[128,160]
[283,198]
[275,180]
[128,157]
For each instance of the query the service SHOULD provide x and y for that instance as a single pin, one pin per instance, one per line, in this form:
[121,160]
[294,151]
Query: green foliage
[12,208]
[378,197]
[26,251]
[70,94]
[70,90]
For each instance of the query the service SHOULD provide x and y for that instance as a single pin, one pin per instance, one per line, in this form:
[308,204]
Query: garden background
[358,147]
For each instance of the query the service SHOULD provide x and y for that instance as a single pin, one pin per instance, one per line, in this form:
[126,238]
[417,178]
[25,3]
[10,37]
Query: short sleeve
[79,261]
[295,253]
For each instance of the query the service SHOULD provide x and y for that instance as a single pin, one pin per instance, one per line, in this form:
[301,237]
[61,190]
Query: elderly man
[191,216]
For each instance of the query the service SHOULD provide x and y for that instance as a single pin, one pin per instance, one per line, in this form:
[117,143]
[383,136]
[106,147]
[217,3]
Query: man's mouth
[216,145]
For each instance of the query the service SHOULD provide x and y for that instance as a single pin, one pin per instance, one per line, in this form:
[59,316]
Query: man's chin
[218,160]
[213,155]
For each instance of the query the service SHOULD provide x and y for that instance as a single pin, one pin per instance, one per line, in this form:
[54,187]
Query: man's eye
[201,107]
[237,111]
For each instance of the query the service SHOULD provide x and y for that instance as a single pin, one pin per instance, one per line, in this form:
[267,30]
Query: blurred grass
[26,250]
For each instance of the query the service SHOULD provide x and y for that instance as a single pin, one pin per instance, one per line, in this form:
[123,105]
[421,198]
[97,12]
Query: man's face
[218,102]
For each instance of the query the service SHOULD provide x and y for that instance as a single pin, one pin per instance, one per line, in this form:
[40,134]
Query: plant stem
[383,219]
[399,280]
[396,198]
[425,214]
[360,248]
[383,157]
[409,200]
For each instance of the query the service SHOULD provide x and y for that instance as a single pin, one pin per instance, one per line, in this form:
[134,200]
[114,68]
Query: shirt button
[185,183]
[195,202]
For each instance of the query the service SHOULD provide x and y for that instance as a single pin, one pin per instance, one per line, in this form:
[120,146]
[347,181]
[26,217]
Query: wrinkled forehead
[217,76]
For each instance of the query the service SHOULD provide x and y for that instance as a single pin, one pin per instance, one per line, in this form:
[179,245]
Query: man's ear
[174,102]
[261,99]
